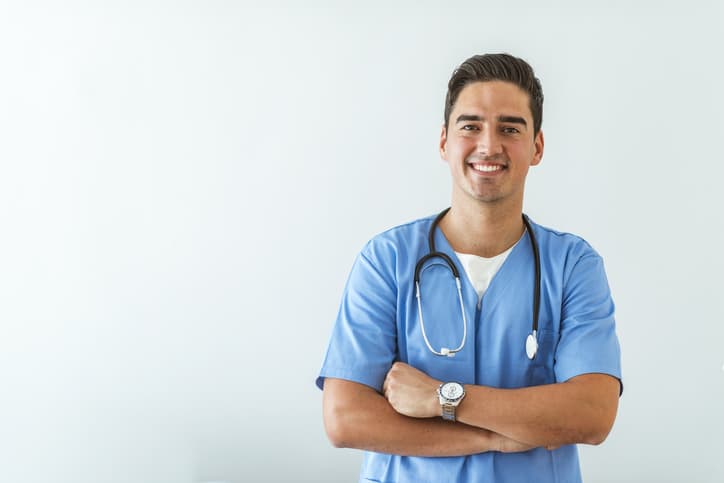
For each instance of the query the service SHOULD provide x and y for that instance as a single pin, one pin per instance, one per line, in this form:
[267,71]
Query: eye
[510,130]
[469,127]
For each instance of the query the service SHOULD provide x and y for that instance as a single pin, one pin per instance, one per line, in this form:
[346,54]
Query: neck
[482,230]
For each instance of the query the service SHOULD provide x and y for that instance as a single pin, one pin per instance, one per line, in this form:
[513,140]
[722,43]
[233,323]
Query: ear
[443,143]
[538,144]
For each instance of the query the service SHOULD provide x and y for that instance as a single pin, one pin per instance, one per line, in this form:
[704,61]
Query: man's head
[501,67]
[492,133]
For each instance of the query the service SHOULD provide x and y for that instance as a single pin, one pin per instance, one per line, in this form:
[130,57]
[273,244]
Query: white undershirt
[481,270]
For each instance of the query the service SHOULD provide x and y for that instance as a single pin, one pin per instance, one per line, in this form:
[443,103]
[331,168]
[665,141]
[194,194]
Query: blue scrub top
[378,324]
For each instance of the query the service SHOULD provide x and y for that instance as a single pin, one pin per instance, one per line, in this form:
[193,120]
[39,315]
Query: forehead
[498,97]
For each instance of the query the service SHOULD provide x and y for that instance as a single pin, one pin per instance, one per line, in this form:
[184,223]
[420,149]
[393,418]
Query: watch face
[452,390]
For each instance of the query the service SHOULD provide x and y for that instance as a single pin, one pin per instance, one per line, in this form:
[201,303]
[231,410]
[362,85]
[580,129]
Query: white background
[184,186]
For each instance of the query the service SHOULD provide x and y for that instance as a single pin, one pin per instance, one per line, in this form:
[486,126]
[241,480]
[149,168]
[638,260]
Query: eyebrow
[473,117]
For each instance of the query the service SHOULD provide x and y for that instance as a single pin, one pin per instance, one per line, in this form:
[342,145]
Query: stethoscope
[531,342]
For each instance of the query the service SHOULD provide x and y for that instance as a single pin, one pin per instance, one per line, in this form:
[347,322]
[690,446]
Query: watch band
[448,412]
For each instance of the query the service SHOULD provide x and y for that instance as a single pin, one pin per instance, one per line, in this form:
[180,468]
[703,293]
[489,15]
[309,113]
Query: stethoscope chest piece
[531,346]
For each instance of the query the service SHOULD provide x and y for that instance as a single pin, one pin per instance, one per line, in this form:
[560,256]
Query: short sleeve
[363,345]
[588,341]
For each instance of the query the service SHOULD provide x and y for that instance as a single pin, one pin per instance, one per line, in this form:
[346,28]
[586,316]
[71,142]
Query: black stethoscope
[531,342]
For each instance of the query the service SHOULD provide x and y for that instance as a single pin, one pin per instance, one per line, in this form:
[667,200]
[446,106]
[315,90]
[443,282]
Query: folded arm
[357,416]
[580,410]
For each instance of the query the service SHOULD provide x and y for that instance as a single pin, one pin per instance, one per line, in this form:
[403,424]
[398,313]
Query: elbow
[598,433]
[338,440]
[594,439]
[336,431]
[599,405]
[338,424]
[347,413]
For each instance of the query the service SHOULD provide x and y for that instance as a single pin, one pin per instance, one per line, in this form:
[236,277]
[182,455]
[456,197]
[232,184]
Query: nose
[489,143]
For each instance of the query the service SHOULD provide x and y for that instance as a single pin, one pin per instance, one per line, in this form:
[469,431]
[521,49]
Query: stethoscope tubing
[531,344]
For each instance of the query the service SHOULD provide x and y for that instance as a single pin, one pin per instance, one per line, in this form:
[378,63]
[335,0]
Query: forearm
[581,410]
[356,416]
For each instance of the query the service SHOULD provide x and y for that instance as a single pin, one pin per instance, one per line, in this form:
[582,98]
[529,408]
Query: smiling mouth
[487,168]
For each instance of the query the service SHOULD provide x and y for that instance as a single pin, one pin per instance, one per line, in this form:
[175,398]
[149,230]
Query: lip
[487,168]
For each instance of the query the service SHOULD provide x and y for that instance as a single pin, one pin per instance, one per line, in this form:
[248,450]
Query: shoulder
[388,256]
[566,253]
[560,242]
[399,239]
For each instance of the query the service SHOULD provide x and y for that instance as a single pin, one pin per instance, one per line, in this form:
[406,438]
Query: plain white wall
[184,186]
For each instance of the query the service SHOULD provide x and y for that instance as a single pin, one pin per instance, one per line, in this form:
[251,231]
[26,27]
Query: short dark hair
[502,67]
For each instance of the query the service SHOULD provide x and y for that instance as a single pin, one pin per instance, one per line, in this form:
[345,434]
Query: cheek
[460,148]
[521,150]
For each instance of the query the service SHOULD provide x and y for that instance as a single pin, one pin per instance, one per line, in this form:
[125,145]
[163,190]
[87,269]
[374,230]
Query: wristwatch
[450,394]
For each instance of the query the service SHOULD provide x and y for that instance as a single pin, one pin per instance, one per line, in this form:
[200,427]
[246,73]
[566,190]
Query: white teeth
[487,168]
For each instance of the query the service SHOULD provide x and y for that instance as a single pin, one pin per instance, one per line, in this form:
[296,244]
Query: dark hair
[503,67]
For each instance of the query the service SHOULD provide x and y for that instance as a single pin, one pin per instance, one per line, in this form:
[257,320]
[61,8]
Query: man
[524,385]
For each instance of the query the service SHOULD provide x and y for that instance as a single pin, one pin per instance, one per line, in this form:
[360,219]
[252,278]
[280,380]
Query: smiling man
[476,345]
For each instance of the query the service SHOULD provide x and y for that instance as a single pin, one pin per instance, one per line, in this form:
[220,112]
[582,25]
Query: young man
[529,319]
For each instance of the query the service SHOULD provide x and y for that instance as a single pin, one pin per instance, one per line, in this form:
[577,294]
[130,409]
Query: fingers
[388,379]
[508,445]
[391,375]
[395,388]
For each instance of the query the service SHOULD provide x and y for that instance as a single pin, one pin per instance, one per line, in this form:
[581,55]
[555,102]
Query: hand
[507,445]
[411,392]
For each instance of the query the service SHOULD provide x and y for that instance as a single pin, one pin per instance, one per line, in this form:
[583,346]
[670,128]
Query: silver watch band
[448,412]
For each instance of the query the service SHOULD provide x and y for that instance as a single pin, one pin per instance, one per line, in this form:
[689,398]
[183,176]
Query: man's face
[489,142]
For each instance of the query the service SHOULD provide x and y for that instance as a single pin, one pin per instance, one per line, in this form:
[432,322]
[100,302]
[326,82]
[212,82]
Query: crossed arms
[405,419]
